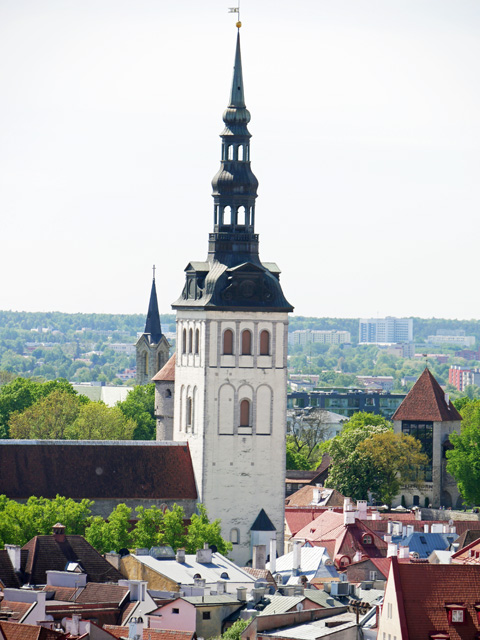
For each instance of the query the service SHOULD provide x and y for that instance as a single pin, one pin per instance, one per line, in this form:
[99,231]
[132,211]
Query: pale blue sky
[366,144]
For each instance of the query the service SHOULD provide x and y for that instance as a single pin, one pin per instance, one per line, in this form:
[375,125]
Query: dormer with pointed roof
[428,414]
[152,347]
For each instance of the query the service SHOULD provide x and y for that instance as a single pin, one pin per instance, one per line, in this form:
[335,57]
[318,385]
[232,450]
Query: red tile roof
[45,553]
[17,609]
[167,372]
[96,592]
[424,590]
[304,496]
[15,631]
[426,401]
[151,634]
[100,470]
[468,555]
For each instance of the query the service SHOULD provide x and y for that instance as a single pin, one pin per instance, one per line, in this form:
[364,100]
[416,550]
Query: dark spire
[235,186]
[152,325]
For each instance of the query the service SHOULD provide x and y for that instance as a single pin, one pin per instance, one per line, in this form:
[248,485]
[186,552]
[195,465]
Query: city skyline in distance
[365,143]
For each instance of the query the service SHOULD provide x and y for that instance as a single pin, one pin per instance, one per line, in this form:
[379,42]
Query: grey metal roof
[322,598]
[425,543]
[315,629]
[281,604]
[211,600]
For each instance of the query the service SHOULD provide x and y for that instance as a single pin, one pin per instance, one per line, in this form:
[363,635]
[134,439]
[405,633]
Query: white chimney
[387,537]
[348,517]
[410,529]
[259,554]
[180,556]
[426,528]
[403,551]
[453,529]
[273,555]
[204,556]
[358,556]
[389,526]
[14,553]
[362,509]
[241,594]
[221,587]
[392,550]
[445,528]
[75,628]
[347,504]
[297,556]
[404,531]
[447,399]
[316,495]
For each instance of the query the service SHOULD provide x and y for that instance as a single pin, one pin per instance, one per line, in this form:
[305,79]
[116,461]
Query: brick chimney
[59,532]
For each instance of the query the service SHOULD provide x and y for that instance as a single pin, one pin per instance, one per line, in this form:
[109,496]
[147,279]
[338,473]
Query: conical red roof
[426,401]
[167,372]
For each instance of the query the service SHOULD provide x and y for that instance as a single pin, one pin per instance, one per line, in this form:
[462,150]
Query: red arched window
[228,342]
[245,413]
[246,343]
[264,343]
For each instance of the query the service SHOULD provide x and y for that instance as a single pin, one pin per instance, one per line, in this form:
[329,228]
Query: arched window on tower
[246,343]
[240,152]
[160,361]
[227,216]
[245,413]
[228,342]
[197,341]
[264,343]
[184,341]
[190,341]
[230,152]
[241,216]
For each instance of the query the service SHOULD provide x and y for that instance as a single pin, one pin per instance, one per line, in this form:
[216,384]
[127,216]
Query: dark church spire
[235,186]
[152,325]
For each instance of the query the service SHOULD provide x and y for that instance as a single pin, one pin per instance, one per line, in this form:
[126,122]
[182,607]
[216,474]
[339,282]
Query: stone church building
[227,383]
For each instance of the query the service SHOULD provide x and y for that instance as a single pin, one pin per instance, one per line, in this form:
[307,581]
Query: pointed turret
[153,327]
[152,347]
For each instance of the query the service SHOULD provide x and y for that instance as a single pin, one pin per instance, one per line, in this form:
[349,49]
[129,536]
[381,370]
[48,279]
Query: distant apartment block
[385,383]
[385,330]
[457,338]
[327,336]
[402,350]
[347,403]
[118,347]
[462,377]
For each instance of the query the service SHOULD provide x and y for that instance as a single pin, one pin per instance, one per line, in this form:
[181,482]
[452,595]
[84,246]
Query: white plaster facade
[239,468]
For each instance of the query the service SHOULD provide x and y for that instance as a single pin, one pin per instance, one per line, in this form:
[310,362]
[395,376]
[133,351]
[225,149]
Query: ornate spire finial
[236,10]
[153,271]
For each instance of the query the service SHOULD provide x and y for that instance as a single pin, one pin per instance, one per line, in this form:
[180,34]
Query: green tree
[147,528]
[48,418]
[173,531]
[113,534]
[235,631]
[201,531]
[296,459]
[21,522]
[139,405]
[96,421]
[396,459]
[463,461]
[351,472]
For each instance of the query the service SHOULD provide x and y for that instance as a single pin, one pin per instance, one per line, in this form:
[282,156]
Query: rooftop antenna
[153,271]
[236,10]
[425,355]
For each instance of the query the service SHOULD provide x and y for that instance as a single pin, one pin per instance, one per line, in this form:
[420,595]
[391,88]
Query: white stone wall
[164,394]
[239,469]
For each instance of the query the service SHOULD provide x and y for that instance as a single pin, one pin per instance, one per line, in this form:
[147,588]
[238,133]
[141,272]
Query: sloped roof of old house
[46,553]
[425,590]
[426,401]
[467,537]
[100,469]
[167,372]
[304,498]
[15,631]
[8,577]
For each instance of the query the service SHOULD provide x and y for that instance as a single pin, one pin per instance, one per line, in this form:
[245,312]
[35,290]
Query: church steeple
[235,185]
[153,326]
[233,275]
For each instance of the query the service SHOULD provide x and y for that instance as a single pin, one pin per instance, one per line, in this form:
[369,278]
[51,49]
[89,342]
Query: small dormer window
[456,613]
[225,576]
[367,539]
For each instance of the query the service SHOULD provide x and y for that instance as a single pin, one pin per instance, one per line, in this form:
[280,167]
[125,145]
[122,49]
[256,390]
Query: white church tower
[231,364]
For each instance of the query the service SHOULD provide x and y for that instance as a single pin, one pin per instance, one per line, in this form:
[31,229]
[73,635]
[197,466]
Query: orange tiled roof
[426,401]
[16,631]
[167,372]
[426,589]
